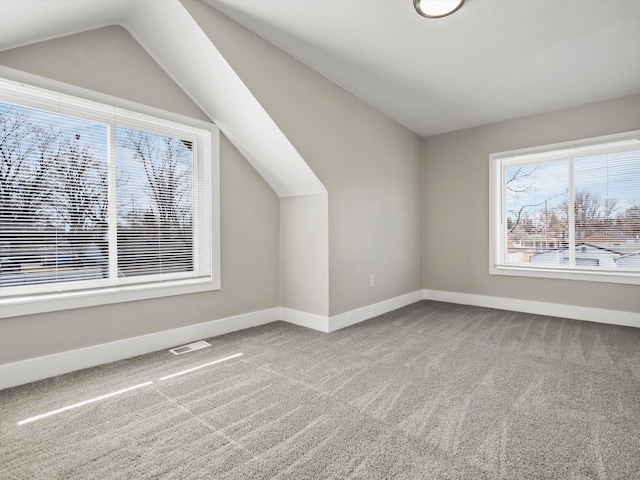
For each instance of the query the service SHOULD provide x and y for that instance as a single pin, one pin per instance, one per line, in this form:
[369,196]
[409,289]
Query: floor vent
[192,347]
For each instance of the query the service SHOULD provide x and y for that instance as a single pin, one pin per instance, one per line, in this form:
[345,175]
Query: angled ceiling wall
[370,164]
[193,62]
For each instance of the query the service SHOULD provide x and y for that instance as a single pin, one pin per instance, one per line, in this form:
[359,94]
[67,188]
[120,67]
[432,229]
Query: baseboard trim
[342,320]
[365,313]
[26,371]
[31,370]
[590,314]
[305,319]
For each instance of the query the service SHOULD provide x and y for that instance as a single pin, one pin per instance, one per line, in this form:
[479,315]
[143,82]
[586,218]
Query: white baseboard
[599,315]
[304,319]
[342,320]
[31,370]
[26,371]
[361,314]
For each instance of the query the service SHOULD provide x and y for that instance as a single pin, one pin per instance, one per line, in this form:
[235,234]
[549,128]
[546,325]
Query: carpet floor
[430,391]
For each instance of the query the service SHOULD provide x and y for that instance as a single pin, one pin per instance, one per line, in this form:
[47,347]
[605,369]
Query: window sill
[33,304]
[630,278]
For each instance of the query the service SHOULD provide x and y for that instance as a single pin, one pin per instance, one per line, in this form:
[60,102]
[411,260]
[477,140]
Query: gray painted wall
[110,61]
[456,204]
[304,253]
[370,165]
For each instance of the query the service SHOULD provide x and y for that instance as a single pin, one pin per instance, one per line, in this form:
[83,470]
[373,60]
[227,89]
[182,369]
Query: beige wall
[369,164]
[304,253]
[109,60]
[456,205]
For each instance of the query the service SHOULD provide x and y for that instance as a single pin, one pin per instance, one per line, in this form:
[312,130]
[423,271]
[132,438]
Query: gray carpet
[430,391]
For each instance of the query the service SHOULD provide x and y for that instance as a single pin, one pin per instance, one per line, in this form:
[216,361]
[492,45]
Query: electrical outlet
[372,280]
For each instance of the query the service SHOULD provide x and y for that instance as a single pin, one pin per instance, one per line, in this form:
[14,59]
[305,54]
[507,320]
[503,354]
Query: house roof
[621,248]
[615,249]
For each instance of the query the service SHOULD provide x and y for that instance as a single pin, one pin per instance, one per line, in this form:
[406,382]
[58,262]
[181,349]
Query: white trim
[44,94]
[31,370]
[304,319]
[590,314]
[565,152]
[26,371]
[358,315]
[51,302]
[575,273]
[39,92]
[582,146]
[342,320]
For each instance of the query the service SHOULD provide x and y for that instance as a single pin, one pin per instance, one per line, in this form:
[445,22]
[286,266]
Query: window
[100,204]
[568,210]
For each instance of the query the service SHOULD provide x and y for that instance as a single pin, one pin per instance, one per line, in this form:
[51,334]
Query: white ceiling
[490,61]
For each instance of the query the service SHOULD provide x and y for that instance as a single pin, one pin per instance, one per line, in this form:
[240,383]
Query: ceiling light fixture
[436,8]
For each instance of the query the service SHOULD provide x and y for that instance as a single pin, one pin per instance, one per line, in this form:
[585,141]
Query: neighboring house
[629,261]
[586,256]
[521,249]
[621,246]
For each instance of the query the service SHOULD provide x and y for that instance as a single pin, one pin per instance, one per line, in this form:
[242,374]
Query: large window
[569,210]
[101,202]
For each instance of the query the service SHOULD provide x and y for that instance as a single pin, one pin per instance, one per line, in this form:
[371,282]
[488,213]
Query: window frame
[52,96]
[497,206]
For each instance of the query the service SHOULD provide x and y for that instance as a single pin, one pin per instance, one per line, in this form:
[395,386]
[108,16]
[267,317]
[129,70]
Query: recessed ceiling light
[437,8]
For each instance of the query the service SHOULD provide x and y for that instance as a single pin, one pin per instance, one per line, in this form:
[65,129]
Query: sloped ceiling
[490,61]
[193,62]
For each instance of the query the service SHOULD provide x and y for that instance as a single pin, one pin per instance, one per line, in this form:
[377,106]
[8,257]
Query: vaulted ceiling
[490,61]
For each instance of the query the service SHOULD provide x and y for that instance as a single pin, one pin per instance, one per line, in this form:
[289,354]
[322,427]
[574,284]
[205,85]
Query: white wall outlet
[372,280]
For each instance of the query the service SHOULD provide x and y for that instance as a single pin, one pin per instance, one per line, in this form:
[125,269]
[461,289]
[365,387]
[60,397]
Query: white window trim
[551,152]
[48,302]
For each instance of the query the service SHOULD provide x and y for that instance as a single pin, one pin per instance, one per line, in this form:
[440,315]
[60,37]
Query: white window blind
[95,197]
[569,211]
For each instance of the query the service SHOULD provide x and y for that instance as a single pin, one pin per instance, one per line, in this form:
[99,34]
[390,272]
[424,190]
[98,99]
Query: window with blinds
[570,210]
[96,198]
